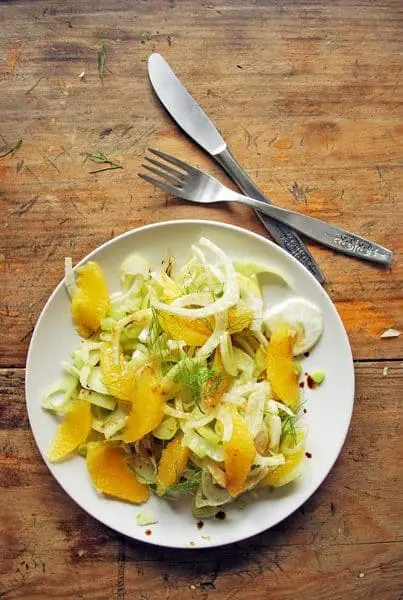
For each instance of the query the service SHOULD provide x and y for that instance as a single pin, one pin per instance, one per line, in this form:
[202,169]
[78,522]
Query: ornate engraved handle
[358,246]
[324,233]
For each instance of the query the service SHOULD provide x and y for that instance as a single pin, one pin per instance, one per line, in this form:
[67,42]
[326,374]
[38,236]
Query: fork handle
[324,233]
[284,236]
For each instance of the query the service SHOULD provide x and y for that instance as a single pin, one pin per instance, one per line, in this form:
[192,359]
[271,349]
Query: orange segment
[110,474]
[239,318]
[286,472]
[239,453]
[280,366]
[147,406]
[195,332]
[172,464]
[72,431]
[192,331]
[90,302]
[119,377]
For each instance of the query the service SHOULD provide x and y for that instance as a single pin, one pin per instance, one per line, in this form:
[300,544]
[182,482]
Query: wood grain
[301,94]
[351,525]
[309,98]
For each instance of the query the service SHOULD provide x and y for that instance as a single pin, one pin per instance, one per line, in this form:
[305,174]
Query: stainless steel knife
[192,119]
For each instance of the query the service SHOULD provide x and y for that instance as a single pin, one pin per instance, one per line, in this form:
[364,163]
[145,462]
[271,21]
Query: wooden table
[309,97]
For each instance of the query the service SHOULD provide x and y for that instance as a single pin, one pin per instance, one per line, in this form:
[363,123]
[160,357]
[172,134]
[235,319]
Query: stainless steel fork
[187,182]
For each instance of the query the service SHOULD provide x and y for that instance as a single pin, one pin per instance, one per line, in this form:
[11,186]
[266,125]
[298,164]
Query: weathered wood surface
[351,526]
[309,97]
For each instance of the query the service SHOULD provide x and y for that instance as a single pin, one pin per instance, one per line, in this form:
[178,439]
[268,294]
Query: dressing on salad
[184,382]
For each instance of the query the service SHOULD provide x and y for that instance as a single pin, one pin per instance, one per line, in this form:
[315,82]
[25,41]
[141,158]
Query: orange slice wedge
[280,366]
[147,405]
[110,474]
[286,472]
[119,377]
[239,453]
[90,302]
[172,464]
[72,431]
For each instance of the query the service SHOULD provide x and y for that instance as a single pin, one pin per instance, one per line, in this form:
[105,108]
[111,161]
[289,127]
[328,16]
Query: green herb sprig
[289,425]
[195,374]
[100,158]
[157,343]
[186,485]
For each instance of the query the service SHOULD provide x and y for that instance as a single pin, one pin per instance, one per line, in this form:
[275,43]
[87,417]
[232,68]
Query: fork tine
[159,184]
[162,165]
[172,160]
[163,175]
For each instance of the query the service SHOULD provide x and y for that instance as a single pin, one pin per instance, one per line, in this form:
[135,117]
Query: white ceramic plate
[329,407]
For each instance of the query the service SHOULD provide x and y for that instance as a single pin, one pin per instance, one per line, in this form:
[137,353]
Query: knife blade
[193,120]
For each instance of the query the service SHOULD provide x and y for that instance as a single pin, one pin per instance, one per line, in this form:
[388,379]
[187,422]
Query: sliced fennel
[207,380]
[108,402]
[166,429]
[229,298]
[201,447]
[57,396]
[146,517]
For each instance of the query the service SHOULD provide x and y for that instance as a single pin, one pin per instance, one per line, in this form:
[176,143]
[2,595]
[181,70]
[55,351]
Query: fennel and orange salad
[185,381]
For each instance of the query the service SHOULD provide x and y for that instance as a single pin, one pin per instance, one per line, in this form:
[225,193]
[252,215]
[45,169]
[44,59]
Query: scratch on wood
[31,89]
[105,132]
[50,251]
[32,173]
[277,563]
[210,583]
[247,136]
[233,593]
[71,199]
[126,130]
[120,591]
[26,207]
[145,136]
[27,335]
[52,164]
[299,192]
[389,133]
[63,152]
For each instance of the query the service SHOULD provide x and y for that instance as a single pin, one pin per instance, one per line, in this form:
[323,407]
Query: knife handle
[285,237]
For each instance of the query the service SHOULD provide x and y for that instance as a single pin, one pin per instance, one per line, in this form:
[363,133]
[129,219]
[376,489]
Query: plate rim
[201,222]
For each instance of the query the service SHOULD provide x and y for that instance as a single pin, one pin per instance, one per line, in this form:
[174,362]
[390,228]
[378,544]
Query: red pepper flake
[148,532]
[308,454]
[220,515]
[301,384]
[200,524]
[310,383]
